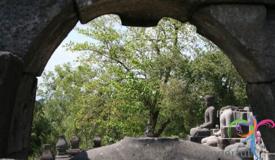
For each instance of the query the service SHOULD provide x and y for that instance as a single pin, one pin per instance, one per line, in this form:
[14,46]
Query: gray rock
[240,150]
[157,149]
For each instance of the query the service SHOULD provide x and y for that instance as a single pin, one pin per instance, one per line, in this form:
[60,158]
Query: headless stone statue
[209,119]
[226,117]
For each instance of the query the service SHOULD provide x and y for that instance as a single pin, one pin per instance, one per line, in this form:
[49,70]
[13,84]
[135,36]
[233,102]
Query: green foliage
[134,79]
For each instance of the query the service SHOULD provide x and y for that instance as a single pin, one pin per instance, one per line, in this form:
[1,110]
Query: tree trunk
[152,122]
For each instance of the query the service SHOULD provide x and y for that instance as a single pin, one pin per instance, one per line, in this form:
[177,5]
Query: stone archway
[32,29]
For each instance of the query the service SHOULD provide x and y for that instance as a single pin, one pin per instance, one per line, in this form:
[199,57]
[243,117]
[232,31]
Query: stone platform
[157,149]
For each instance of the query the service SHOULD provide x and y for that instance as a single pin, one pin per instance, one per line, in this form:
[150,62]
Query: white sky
[60,55]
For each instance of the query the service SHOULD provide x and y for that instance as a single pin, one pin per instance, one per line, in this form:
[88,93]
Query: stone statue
[74,150]
[226,117]
[47,154]
[97,142]
[61,145]
[211,141]
[209,119]
[75,142]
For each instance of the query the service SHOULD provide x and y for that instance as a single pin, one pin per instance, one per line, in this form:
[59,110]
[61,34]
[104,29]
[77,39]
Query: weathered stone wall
[31,30]
[21,120]
[10,75]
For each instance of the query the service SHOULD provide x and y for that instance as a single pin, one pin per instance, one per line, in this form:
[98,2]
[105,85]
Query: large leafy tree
[132,81]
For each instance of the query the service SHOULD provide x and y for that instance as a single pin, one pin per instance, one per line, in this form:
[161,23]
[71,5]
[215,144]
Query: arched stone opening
[33,29]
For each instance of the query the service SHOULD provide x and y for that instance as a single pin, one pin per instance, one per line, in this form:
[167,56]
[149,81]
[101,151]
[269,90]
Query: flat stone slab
[157,149]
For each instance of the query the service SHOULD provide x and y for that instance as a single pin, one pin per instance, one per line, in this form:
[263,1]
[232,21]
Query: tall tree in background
[135,80]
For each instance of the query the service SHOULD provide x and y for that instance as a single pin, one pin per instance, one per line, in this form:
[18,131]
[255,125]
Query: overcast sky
[60,55]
